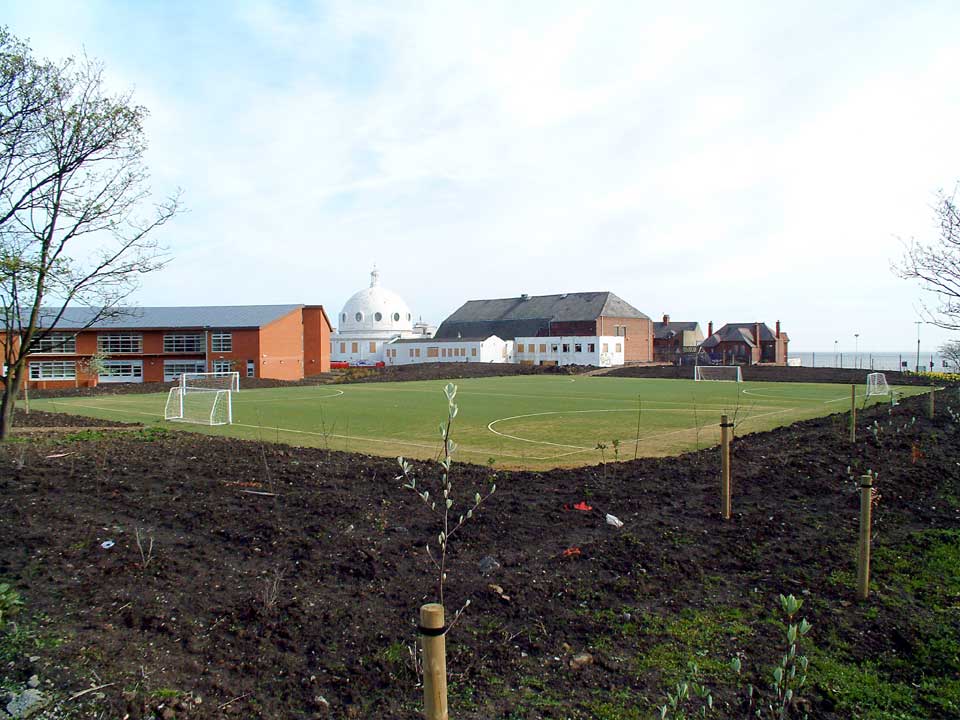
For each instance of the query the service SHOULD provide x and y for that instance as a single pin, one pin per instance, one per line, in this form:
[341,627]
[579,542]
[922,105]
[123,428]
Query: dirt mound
[279,582]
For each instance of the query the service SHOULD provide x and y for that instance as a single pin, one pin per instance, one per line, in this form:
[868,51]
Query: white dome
[375,311]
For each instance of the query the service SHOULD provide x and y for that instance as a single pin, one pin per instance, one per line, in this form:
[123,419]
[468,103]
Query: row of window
[130,370]
[377,317]
[65,343]
[577,347]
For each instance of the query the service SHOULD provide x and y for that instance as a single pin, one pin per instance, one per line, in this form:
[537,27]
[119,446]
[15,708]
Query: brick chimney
[666,319]
[778,329]
[756,333]
[710,328]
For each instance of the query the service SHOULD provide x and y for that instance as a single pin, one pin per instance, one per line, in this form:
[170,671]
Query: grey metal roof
[195,317]
[663,331]
[527,316]
[739,332]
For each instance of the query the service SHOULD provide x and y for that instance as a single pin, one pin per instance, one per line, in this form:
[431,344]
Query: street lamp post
[918,323]
[836,343]
[856,350]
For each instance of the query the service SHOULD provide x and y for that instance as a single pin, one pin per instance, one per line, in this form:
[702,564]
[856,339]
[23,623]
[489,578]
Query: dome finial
[374,277]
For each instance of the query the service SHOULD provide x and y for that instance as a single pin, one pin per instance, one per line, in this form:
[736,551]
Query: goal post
[221,380]
[199,405]
[721,373]
[877,384]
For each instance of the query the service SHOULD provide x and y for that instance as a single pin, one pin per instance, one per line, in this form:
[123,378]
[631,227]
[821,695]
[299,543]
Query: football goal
[204,406]
[877,384]
[728,373]
[223,380]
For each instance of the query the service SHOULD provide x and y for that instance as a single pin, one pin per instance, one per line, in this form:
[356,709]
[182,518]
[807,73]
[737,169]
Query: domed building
[371,319]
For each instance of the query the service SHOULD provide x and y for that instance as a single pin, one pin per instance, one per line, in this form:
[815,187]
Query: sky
[725,162]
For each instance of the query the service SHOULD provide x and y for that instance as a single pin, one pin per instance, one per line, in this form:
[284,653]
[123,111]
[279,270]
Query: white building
[370,320]
[412,351]
[599,351]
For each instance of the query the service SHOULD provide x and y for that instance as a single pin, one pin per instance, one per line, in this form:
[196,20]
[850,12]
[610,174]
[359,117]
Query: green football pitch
[527,422]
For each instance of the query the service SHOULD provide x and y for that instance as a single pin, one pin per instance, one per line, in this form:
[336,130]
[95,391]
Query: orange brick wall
[316,341]
[281,344]
[638,346]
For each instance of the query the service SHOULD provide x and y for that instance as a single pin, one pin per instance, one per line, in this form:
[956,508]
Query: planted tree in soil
[441,502]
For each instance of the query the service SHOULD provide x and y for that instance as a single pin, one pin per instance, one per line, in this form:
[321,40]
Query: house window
[53,370]
[577,347]
[183,343]
[251,368]
[120,343]
[122,371]
[618,348]
[222,366]
[173,369]
[373,347]
[354,347]
[591,347]
[221,342]
[473,352]
[55,343]
[543,347]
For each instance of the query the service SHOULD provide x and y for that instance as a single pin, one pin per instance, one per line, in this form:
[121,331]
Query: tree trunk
[9,400]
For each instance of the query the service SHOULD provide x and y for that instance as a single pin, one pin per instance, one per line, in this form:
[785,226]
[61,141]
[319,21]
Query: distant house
[674,339]
[584,319]
[746,344]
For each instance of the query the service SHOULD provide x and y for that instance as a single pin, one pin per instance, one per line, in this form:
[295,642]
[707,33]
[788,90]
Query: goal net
[728,373]
[877,384]
[223,380]
[198,405]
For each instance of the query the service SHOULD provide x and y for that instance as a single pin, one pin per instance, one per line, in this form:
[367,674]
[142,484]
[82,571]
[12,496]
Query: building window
[396,317]
[373,347]
[53,370]
[473,352]
[418,352]
[606,347]
[354,347]
[378,317]
[566,347]
[173,369]
[111,344]
[577,347]
[343,348]
[343,317]
[359,316]
[251,368]
[408,317]
[519,347]
[618,348]
[591,347]
[433,352]
[55,343]
[221,342]
[554,348]
[121,371]
[543,347]
[223,366]
[183,343]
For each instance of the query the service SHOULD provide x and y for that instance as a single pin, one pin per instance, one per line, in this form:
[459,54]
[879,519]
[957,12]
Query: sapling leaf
[449,503]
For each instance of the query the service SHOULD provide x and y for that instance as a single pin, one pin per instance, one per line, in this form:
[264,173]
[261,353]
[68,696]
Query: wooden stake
[434,663]
[725,503]
[853,413]
[932,403]
[863,561]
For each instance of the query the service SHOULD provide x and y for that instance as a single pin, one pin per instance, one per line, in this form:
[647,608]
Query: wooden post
[853,413]
[863,561]
[725,503]
[434,662]
[932,403]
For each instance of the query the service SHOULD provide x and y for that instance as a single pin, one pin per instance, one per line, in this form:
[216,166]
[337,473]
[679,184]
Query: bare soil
[284,582]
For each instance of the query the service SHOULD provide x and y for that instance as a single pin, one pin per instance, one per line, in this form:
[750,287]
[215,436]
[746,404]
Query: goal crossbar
[220,380]
[720,373]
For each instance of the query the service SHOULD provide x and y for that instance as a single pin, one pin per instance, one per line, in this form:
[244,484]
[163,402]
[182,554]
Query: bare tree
[937,264]
[75,213]
[951,353]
